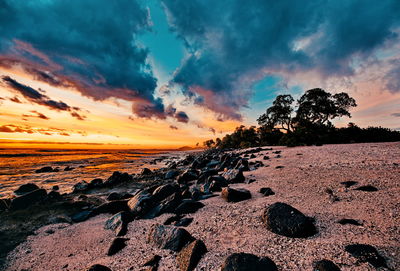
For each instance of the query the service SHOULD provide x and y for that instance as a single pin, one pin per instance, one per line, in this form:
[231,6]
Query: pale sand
[236,227]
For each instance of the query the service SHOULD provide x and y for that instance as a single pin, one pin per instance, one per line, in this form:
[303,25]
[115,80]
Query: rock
[248,262]
[112,207]
[242,164]
[171,174]
[252,156]
[347,184]
[117,178]
[235,195]
[80,187]
[366,253]
[153,261]
[55,187]
[164,191]
[96,183]
[141,203]
[81,216]
[44,169]
[266,191]
[145,171]
[169,204]
[184,222]
[99,267]
[187,176]
[216,183]
[169,237]
[266,157]
[28,199]
[188,207]
[205,174]
[118,223]
[233,176]
[279,167]
[283,219]
[325,265]
[116,245]
[367,188]
[345,221]
[119,196]
[189,256]
[26,188]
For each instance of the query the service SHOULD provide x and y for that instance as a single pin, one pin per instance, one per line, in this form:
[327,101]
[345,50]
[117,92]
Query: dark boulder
[215,183]
[242,164]
[116,245]
[248,262]
[117,178]
[112,207]
[99,267]
[233,176]
[118,223]
[171,174]
[28,199]
[204,174]
[146,171]
[188,207]
[189,256]
[80,187]
[44,169]
[187,176]
[169,237]
[3,205]
[325,265]
[266,191]
[141,203]
[195,193]
[169,204]
[235,195]
[96,183]
[68,168]
[367,188]
[164,191]
[283,219]
[266,157]
[252,156]
[26,188]
[366,254]
[54,196]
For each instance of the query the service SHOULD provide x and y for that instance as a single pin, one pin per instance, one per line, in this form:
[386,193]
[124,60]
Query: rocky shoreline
[247,209]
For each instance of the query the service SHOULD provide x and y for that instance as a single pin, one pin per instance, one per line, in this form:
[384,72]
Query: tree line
[304,122]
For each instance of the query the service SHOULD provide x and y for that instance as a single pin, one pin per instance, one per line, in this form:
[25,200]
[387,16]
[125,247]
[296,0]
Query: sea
[18,166]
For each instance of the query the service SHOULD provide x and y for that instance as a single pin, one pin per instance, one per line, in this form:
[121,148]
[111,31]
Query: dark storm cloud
[233,43]
[37,97]
[89,44]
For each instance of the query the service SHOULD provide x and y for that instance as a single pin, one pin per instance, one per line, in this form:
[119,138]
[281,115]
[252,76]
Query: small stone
[345,221]
[266,191]
[248,262]
[235,195]
[99,267]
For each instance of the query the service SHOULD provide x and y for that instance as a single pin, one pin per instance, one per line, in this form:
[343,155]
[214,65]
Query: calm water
[17,166]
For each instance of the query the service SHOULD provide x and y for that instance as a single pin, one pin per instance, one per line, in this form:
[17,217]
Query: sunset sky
[170,73]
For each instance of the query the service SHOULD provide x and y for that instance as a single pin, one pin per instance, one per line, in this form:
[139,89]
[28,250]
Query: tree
[209,143]
[319,107]
[279,114]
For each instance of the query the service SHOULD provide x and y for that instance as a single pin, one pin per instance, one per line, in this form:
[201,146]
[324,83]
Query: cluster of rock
[178,190]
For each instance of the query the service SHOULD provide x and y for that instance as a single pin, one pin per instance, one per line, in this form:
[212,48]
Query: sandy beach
[310,180]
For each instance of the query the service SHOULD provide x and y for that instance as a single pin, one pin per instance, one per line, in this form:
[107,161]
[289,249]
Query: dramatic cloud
[232,44]
[15,100]
[37,97]
[91,45]
[393,77]
[11,128]
[173,127]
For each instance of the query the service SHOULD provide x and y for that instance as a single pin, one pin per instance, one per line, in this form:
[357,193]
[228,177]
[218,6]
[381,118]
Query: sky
[172,73]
